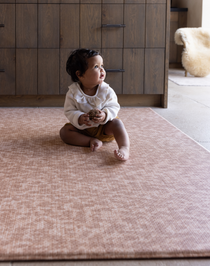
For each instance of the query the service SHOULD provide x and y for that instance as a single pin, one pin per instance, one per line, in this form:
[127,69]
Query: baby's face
[95,74]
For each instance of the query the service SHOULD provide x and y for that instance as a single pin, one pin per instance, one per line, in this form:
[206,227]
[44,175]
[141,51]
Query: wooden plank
[48,69]
[7,72]
[65,79]
[113,60]
[90,26]
[69,26]
[155,25]
[112,37]
[7,31]
[26,26]
[135,1]
[69,1]
[134,31]
[26,72]
[133,78]
[154,71]
[48,26]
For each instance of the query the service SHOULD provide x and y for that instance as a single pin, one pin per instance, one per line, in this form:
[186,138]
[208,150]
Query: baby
[89,91]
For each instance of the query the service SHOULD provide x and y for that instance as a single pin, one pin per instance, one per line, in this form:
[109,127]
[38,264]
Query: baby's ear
[78,73]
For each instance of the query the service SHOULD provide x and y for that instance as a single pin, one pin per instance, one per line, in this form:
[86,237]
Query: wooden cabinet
[38,35]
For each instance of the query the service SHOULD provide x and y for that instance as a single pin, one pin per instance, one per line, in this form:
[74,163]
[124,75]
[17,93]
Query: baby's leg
[71,135]
[117,128]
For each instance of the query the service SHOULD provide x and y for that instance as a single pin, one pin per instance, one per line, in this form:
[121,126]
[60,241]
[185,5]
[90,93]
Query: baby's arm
[111,107]
[76,117]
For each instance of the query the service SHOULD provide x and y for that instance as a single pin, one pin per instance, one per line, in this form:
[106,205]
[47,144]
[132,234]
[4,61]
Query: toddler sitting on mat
[89,91]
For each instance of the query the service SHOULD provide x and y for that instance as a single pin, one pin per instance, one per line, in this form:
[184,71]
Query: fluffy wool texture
[196,52]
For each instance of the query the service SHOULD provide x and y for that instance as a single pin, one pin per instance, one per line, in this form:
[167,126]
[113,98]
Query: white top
[78,103]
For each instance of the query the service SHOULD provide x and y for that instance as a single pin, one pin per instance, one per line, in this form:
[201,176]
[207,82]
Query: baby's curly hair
[77,61]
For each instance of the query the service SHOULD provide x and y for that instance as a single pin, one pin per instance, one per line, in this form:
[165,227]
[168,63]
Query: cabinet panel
[48,71]
[112,15]
[26,1]
[135,1]
[155,25]
[90,1]
[90,29]
[7,28]
[69,26]
[112,1]
[69,1]
[7,72]
[48,26]
[133,77]
[48,1]
[156,1]
[65,79]
[26,71]
[154,71]
[7,1]
[113,62]
[26,26]
[134,31]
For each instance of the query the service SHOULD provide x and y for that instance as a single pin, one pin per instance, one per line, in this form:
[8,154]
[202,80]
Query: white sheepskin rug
[196,52]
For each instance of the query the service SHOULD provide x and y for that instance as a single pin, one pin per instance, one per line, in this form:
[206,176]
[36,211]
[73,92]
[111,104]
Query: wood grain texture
[134,32]
[69,26]
[26,72]
[90,26]
[113,60]
[26,26]
[133,77]
[48,26]
[7,33]
[7,78]
[65,79]
[112,37]
[48,69]
[155,25]
[154,71]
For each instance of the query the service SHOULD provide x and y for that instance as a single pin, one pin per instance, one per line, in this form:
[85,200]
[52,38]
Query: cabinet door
[112,26]
[26,71]
[65,79]
[90,26]
[155,25]
[7,26]
[134,31]
[48,1]
[113,65]
[135,1]
[154,71]
[26,26]
[133,77]
[26,1]
[69,26]
[7,72]
[48,71]
[48,26]
[69,1]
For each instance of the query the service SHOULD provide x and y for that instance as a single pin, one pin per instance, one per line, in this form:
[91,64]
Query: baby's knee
[63,133]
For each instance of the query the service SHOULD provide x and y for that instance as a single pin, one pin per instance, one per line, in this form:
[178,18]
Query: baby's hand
[84,119]
[100,117]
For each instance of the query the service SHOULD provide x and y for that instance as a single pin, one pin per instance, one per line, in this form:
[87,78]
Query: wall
[205,14]
[194,15]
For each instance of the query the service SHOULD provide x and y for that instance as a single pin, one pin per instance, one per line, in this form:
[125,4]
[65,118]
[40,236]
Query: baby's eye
[96,66]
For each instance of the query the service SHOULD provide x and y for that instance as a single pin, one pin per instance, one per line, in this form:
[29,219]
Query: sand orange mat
[63,202]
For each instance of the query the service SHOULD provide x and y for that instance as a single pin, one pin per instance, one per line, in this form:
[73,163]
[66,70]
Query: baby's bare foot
[122,154]
[95,144]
